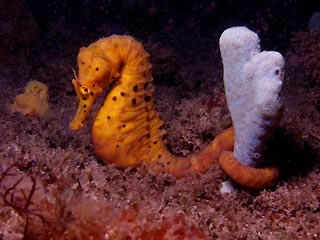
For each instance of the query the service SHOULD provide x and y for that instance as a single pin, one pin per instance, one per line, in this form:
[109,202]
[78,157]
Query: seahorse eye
[85,90]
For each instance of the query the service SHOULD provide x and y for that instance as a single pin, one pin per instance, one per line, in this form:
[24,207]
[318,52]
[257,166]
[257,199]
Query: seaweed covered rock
[304,53]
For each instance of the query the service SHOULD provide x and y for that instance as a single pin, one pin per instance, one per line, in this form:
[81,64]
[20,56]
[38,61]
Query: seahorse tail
[200,162]
[203,160]
[254,178]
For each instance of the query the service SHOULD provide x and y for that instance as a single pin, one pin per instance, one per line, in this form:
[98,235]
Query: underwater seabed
[53,186]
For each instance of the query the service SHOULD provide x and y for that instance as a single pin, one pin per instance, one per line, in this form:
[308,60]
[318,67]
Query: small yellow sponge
[34,100]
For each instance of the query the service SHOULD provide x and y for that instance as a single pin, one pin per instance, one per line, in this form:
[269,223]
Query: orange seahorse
[127,130]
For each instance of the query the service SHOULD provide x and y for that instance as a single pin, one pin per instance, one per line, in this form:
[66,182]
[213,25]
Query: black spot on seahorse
[135,88]
[147,99]
[145,86]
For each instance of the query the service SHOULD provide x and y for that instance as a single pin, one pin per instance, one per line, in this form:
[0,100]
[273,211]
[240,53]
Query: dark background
[273,20]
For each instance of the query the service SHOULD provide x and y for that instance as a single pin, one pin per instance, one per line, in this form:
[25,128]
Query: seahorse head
[96,72]
[96,69]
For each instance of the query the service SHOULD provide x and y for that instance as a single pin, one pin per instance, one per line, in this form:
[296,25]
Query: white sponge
[253,81]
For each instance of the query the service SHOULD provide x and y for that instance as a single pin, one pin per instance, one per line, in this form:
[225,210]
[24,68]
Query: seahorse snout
[86,99]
